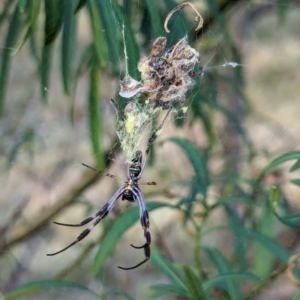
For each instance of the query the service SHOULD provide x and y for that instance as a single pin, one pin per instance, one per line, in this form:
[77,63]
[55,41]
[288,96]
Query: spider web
[38,173]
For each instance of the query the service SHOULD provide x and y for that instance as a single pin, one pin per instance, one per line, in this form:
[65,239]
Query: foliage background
[224,221]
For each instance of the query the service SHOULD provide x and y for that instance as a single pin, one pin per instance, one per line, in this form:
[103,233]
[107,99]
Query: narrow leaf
[293,155]
[53,22]
[68,43]
[218,280]
[23,19]
[223,267]
[95,123]
[295,166]
[22,5]
[155,17]
[296,296]
[13,33]
[197,160]
[36,286]
[295,181]
[80,4]
[193,285]
[132,50]
[98,37]
[120,293]
[282,10]
[45,68]
[239,238]
[167,268]
[275,197]
[160,290]
[269,243]
[118,229]
[28,13]
[262,259]
[112,30]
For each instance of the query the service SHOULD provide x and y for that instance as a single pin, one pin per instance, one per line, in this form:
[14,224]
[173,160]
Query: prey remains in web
[166,76]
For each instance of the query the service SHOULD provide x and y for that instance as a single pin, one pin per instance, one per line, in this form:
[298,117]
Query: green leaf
[167,268]
[22,5]
[275,197]
[160,290]
[269,243]
[155,18]
[54,17]
[220,20]
[98,37]
[118,229]
[112,30]
[295,181]
[120,293]
[45,68]
[193,285]
[130,44]
[201,111]
[295,166]
[29,13]
[80,4]
[293,155]
[95,123]
[223,267]
[113,19]
[296,296]
[37,286]
[262,260]
[218,280]
[14,29]
[198,161]
[239,238]
[189,201]
[23,19]
[282,10]
[53,22]
[68,43]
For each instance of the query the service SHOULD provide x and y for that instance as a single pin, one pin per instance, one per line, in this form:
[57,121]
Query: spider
[129,191]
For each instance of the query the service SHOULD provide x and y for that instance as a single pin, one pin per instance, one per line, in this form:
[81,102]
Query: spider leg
[82,235]
[99,215]
[146,225]
[148,183]
[102,213]
[103,173]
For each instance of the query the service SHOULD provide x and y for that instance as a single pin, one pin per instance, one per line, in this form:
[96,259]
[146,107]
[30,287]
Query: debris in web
[166,76]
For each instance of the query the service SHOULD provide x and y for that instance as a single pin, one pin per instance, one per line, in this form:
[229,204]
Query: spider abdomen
[128,195]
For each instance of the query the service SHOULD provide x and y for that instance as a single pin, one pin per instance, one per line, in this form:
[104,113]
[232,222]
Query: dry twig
[198,18]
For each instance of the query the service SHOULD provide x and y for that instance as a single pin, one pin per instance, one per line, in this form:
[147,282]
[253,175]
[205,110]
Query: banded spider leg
[130,191]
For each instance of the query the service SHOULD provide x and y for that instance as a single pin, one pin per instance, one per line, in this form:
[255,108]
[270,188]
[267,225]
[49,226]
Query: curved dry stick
[198,18]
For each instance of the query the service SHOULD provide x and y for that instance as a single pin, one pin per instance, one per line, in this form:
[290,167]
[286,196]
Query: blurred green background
[225,212]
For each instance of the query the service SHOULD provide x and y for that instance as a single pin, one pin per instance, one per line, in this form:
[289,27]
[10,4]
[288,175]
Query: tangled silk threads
[166,76]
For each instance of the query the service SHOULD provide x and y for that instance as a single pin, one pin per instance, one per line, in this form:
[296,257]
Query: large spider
[131,192]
